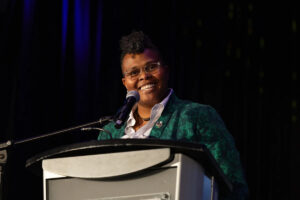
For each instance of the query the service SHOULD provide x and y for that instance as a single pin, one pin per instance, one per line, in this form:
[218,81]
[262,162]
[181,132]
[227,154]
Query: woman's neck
[144,111]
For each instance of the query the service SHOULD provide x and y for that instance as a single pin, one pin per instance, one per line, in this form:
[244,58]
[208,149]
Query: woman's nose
[144,75]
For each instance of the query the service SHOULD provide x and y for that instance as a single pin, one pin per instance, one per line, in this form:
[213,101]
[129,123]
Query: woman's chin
[149,102]
[150,98]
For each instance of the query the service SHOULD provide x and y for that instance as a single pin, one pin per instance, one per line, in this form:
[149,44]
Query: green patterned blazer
[192,122]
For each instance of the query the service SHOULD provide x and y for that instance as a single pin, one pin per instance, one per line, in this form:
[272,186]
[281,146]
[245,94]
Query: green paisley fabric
[192,122]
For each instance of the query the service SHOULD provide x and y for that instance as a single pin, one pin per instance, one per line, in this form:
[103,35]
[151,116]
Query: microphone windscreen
[133,93]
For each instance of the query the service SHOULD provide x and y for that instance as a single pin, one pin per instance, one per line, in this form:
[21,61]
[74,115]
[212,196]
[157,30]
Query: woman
[160,114]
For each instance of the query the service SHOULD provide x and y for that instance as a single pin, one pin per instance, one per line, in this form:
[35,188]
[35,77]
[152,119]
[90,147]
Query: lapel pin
[159,124]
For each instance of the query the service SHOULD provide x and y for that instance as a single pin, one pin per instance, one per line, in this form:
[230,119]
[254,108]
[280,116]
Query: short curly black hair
[136,42]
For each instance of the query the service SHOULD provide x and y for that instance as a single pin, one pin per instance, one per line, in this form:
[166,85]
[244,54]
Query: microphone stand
[10,144]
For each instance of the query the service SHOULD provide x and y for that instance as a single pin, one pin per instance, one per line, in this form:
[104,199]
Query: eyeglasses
[148,68]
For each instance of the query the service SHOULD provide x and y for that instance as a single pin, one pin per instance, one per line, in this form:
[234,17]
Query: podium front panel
[147,185]
[181,178]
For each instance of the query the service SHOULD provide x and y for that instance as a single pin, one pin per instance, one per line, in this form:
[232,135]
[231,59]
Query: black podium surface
[198,152]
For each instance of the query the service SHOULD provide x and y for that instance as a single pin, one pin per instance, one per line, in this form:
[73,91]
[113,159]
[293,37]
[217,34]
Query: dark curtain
[60,67]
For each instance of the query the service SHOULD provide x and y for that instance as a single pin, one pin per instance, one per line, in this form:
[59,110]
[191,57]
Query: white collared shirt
[145,130]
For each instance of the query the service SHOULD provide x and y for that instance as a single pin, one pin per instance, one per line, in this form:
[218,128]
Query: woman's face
[151,86]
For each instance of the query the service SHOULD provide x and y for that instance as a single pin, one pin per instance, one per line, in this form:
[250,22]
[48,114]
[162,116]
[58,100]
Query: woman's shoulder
[194,106]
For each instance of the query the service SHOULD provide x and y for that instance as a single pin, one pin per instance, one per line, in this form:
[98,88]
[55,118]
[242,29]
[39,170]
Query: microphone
[131,98]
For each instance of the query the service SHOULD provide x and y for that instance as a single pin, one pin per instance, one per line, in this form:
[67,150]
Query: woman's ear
[124,82]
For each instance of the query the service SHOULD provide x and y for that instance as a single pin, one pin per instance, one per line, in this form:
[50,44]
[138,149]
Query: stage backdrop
[60,67]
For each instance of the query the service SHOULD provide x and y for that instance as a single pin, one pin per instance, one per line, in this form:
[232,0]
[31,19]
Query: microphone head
[133,93]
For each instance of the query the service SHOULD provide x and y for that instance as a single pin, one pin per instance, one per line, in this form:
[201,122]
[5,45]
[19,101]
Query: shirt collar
[131,120]
[165,101]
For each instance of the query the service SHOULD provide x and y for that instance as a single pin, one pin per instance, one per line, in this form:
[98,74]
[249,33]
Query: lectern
[133,169]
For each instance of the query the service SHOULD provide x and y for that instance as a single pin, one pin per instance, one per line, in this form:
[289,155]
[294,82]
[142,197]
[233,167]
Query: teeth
[145,87]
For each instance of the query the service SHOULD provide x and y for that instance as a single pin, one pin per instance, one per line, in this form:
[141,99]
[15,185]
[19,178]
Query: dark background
[60,67]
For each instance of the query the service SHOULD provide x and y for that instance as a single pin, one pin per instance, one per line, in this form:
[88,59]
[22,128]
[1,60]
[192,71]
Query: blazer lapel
[160,125]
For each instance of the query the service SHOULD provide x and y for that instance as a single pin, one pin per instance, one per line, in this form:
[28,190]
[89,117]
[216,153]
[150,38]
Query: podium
[132,169]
